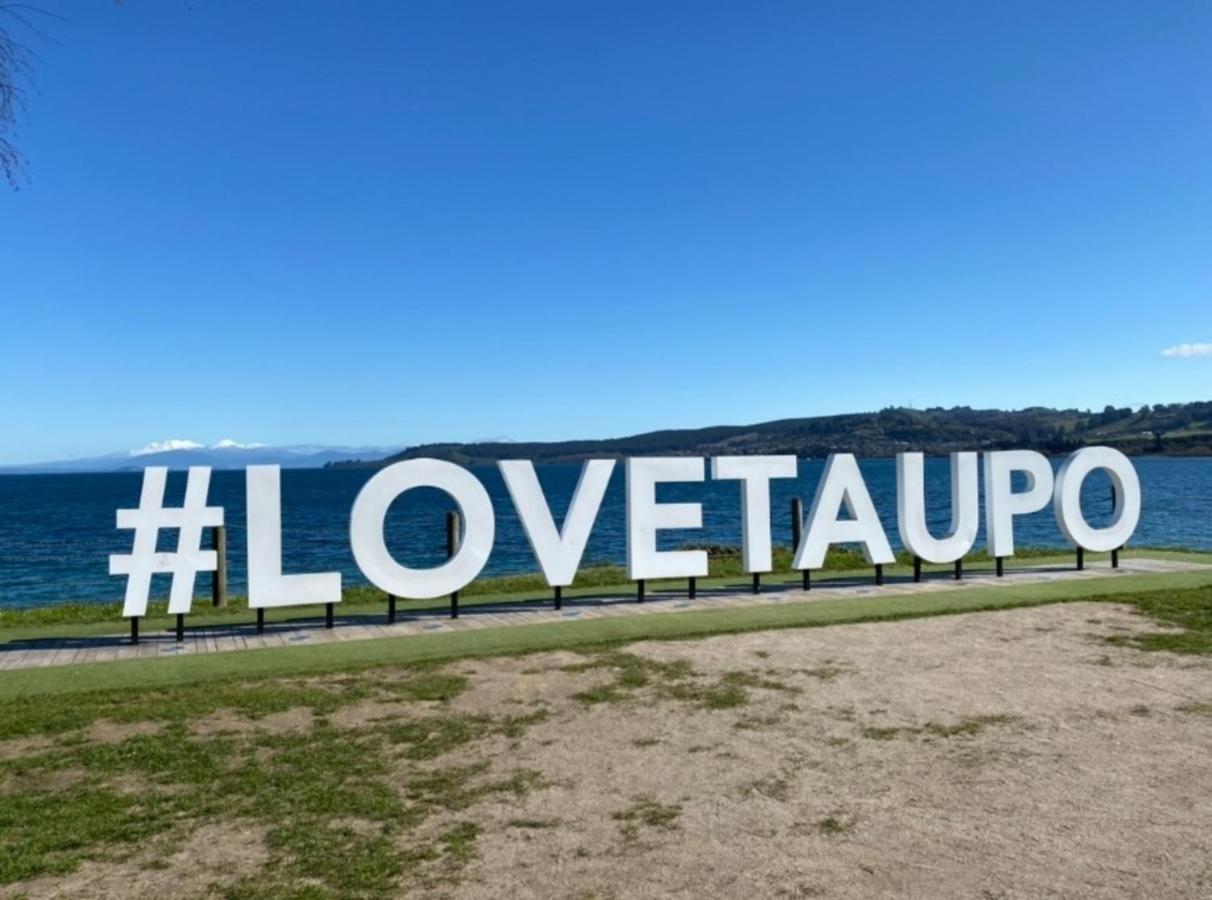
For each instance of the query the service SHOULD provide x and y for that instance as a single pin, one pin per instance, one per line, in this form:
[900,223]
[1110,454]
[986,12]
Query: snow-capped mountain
[179,453]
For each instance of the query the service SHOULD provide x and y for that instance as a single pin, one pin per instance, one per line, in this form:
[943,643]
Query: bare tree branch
[16,79]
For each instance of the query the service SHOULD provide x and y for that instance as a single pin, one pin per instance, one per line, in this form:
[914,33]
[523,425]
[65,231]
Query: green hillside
[1172,429]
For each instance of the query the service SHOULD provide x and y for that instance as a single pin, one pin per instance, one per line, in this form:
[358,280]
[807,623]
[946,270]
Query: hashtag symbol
[146,521]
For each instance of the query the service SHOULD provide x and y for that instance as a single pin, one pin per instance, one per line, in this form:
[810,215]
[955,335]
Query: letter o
[1067,498]
[370,512]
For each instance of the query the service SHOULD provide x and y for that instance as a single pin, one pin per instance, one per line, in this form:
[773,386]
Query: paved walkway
[242,635]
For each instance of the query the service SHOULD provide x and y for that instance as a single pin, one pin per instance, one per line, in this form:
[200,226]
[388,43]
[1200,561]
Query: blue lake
[57,531]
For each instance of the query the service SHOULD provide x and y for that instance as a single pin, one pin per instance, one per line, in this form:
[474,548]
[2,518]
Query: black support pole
[391,608]
[1081,558]
[879,575]
[807,580]
[261,620]
[559,597]
[180,628]
[328,615]
[452,546]
[1001,568]
[639,590]
[1115,558]
[218,578]
[692,589]
[134,629]
[757,583]
[797,523]
[959,569]
[917,568]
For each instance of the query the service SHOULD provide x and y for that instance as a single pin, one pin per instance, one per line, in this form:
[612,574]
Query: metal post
[692,588]
[757,583]
[559,597]
[218,578]
[260,620]
[180,628]
[1001,570]
[807,580]
[1081,558]
[959,569]
[1115,558]
[452,547]
[797,523]
[328,615]
[391,608]
[639,590]
[134,629]
[879,575]
[917,568]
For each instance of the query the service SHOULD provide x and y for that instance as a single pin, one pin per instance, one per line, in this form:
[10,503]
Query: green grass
[76,619]
[587,634]
[1185,610]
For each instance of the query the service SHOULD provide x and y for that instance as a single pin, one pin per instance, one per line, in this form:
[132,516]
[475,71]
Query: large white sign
[558,552]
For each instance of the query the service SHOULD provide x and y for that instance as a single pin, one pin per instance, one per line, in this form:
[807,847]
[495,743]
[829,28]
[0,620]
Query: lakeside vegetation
[1180,429]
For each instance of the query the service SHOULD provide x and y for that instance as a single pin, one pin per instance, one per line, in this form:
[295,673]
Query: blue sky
[386,223]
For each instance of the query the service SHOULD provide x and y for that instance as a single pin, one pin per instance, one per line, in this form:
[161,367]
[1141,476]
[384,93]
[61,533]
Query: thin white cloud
[1188,351]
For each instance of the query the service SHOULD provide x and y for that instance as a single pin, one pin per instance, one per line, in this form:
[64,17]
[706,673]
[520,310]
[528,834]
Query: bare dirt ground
[1006,754]
[989,755]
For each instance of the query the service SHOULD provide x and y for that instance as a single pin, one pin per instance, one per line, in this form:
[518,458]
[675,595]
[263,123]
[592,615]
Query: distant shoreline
[1203,453]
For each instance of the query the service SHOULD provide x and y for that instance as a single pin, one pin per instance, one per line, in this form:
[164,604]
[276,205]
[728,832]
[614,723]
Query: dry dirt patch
[986,755]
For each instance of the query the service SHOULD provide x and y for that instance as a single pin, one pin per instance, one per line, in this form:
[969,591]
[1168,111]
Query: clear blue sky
[396,222]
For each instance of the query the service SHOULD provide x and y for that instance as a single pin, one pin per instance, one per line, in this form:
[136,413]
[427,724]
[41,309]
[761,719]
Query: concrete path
[242,635]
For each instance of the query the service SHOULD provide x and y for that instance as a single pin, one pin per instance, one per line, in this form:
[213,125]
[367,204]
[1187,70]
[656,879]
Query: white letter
[1068,498]
[645,517]
[842,482]
[370,509]
[267,586]
[558,553]
[911,508]
[1002,504]
[754,473]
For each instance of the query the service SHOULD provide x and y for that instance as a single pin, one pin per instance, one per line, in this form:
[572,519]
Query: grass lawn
[351,769]
[567,634]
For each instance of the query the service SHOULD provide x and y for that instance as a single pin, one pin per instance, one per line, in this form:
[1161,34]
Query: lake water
[57,531]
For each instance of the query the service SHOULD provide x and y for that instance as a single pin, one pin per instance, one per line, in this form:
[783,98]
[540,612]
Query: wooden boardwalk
[242,635]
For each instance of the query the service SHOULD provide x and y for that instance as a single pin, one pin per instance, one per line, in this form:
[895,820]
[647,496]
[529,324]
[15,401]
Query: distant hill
[178,454]
[1173,429]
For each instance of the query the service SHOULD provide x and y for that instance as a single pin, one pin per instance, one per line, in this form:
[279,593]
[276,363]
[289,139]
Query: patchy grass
[646,812]
[834,825]
[1190,610]
[636,677]
[1198,709]
[964,728]
[341,805]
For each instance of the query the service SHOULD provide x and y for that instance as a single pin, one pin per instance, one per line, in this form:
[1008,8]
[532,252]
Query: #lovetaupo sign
[558,551]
